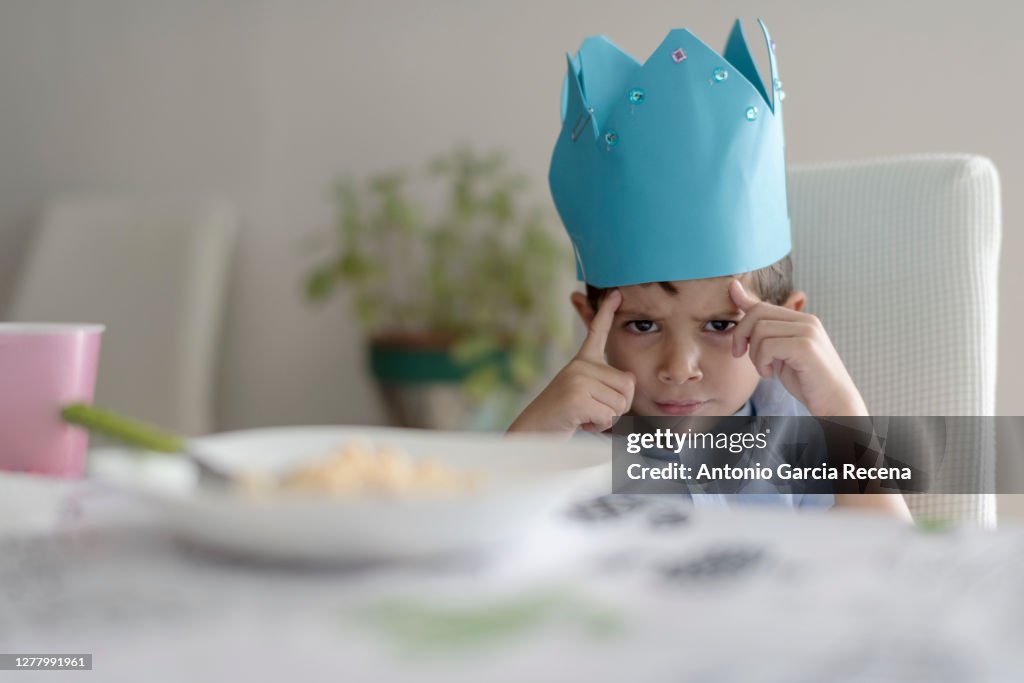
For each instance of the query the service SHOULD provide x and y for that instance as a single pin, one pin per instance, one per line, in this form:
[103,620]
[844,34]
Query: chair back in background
[157,277]
[900,260]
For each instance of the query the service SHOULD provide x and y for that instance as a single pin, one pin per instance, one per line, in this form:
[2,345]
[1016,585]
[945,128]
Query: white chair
[157,276]
[900,259]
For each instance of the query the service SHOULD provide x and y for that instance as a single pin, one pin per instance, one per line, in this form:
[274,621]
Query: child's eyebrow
[629,313]
[633,314]
[716,316]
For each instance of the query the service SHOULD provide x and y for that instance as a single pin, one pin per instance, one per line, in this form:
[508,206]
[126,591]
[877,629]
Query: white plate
[525,477]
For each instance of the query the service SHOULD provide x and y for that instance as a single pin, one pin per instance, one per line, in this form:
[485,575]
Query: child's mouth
[680,407]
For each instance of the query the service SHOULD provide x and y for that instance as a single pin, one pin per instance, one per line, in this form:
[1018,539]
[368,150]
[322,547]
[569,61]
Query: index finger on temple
[600,326]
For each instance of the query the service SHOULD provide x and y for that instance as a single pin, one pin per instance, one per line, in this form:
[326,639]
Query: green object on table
[428,626]
[124,429]
[935,525]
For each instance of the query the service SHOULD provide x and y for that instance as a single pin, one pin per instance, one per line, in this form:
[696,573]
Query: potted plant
[459,304]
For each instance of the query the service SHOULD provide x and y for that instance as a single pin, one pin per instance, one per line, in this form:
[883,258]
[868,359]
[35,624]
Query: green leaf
[387,183]
[558,331]
[501,205]
[483,382]
[355,266]
[399,214]
[472,348]
[320,284]
[367,313]
[465,205]
[524,366]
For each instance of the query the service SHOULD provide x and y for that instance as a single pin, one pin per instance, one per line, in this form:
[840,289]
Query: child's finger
[622,382]
[757,315]
[789,350]
[600,417]
[741,297]
[600,326]
[746,303]
[772,329]
[609,397]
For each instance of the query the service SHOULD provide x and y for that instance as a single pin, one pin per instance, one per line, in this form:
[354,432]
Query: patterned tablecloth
[611,588]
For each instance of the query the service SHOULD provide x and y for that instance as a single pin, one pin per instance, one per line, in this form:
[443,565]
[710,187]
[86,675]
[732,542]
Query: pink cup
[43,367]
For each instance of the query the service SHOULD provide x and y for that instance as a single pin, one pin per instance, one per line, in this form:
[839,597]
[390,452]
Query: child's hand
[795,347]
[587,393]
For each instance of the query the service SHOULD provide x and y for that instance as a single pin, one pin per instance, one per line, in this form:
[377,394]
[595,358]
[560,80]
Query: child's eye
[642,326]
[720,325]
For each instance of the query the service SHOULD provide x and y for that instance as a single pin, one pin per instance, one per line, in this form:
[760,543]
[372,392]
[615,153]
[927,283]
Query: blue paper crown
[673,169]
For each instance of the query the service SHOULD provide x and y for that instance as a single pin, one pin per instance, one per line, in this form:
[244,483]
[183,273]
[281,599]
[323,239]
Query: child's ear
[582,306]
[797,300]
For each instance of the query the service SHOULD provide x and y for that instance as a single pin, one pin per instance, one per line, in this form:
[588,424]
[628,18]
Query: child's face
[679,347]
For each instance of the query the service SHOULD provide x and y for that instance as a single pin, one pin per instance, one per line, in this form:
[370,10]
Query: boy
[670,180]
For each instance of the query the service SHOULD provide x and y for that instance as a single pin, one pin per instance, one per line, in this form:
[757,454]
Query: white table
[645,589]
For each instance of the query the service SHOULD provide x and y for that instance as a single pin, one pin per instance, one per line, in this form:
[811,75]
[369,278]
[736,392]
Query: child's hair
[773,283]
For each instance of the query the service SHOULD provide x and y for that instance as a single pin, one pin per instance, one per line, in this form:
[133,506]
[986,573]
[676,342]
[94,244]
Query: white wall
[267,103]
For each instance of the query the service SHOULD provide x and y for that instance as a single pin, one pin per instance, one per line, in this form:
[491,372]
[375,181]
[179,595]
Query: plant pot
[421,383]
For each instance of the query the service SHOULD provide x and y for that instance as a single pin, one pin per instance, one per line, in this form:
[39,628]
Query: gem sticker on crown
[678,55]
[636,96]
[720,75]
[751,113]
[778,88]
[611,138]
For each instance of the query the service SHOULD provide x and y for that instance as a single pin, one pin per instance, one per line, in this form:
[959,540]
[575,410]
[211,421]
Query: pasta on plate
[357,469]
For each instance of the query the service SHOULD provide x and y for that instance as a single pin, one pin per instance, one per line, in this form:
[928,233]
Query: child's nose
[680,366]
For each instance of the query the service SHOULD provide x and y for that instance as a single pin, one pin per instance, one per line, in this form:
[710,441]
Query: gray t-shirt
[770,399]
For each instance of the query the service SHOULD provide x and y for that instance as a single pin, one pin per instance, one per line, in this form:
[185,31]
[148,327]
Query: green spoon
[143,436]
